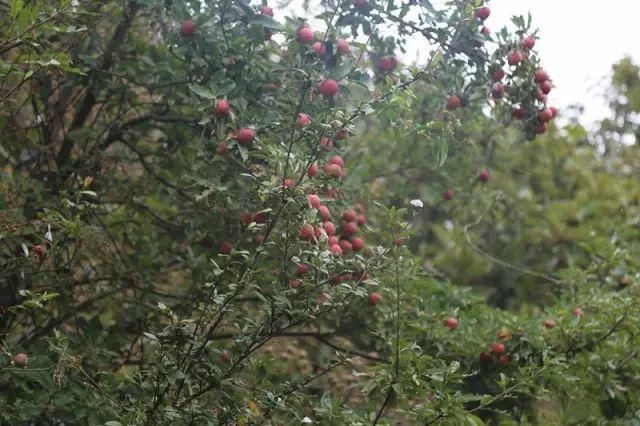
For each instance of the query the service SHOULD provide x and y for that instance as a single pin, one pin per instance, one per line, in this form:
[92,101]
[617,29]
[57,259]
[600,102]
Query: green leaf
[202,91]
[266,22]
[343,69]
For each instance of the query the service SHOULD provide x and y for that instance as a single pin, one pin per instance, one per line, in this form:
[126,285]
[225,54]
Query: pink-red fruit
[222,108]
[188,28]
[375,298]
[303,120]
[514,57]
[342,46]
[305,35]
[453,102]
[549,323]
[528,42]
[21,360]
[497,348]
[329,88]
[245,136]
[225,248]
[483,13]
[484,176]
[266,11]
[451,323]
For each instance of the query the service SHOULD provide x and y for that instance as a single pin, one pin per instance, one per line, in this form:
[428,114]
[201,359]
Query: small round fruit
[497,348]
[349,229]
[451,323]
[498,74]
[324,212]
[346,246]
[349,215]
[333,240]
[260,217]
[482,13]
[453,102]
[222,108]
[39,250]
[245,136]
[246,218]
[497,91]
[503,360]
[399,241]
[485,358]
[342,46]
[221,149]
[336,159]
[188,28]
[554,111]
[319,49]
[313,170]
[448,194]
[225,248]
[549,323]
[357,244]
[528,42]
[545,115]
[514,58]
[314,200]
[541,76]
[341,134]
[518,112]
[333,170]
[329,88]
[387,63]
[540,128]
[329,227]
[303,120]
[375,298]
[578,311]
[546,87]
[305,35]
[294,283]
[361,219]
[336,250]
[307,232]
[289,183]
[224,357]
[21,360]
[266,11]
[303,269]
[484,176]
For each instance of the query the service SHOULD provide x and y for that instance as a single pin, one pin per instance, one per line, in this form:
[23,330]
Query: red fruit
[545,115]
[333,240]
[336,159]
[554,111]
[314,200]
[260,217]
[20,360]
[326,143]
[448,194]
[387,63]
[453,102]
[319,232]
[342,46]
[313,170]
[188,28]
[39,250]
[486,358]
[483,13]
[341,134]
[514,57]
[361,219]
[546,87]
[357,243]
[349,228]
[305,35]
[245,136]
[345,246]
[303,269]
[528,42]
[325,214]
[497,348]
[333,170]
[518,112]
[498,74]
[266,11]
[245,218]
[541,76]
[224,357]
[578,311]
[540,128]
[399,241]
[485,31]
[294,283]
[336,250]
[541,96]
[319,49]
[497,91]
[484,176]
[289,183]
[307,232]
[225,248]
[329,227]
[375,298]
[222,108]
[303,120]
[349,215]
[503,360]
[360,3]
[451,323]
[221,149]
[549,323]
[328,87]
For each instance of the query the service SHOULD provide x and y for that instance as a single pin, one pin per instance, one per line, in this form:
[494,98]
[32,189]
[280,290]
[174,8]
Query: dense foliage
[215,212]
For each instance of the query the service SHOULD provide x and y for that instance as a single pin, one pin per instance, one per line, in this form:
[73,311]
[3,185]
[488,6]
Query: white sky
[579,42]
